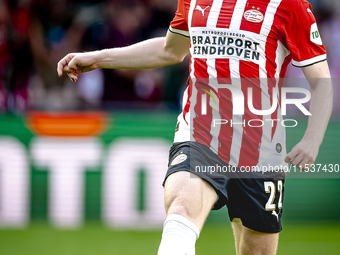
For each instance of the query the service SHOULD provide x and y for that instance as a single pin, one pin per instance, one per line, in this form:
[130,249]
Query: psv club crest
[253,16]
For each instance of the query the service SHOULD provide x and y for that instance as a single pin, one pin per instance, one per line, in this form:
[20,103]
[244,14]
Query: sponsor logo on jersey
[179,159]
[222,43]
[315,35]
[309,10]
[253,16]
[278,147]
[199,8]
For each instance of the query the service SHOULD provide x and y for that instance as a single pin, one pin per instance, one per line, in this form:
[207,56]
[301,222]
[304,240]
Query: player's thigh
[188,195]
[250,242]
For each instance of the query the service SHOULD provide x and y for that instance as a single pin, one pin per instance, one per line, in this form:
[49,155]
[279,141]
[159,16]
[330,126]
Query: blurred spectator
[128,22]
[123,27]
[56,27]
[15,57]
[329,29]
[54,32]
[163,13]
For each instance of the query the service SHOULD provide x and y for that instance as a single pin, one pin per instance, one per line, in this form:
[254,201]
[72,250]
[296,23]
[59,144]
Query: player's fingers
[288,158]
[292,154]
[73,76]
[304,165]
[297,160]
[67,69]
[308,162]
[74,64]
[60,67]
[63,63]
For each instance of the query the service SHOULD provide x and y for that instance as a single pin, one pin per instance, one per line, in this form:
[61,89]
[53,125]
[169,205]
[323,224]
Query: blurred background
[81,165]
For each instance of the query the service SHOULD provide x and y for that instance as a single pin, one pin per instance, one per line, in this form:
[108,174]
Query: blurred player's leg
[251,242]
[188,201]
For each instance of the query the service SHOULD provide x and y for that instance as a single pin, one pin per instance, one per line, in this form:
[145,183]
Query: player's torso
[231,41]
[247,32]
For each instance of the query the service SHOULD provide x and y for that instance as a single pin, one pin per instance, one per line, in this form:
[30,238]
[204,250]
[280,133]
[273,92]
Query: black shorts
[255,198]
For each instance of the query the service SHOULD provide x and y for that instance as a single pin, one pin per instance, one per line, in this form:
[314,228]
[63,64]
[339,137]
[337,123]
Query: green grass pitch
[94,239]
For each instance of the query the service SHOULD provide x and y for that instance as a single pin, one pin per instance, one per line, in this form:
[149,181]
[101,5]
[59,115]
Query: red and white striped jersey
[246,44]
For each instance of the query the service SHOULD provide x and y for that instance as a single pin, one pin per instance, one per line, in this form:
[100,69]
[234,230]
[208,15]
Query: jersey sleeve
[302,36]
[179,24]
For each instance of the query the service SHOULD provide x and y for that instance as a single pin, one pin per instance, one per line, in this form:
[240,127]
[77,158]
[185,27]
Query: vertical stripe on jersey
[234,66]
[190,14]
[226,13]
[281,54]
[251,141]
[237,15]
[226,130]
[186,107]
[269,65]
[200,130]
[284,67]
[274,50]
[214,131]
[200,69]
[269,17]
[260,6]
[223,70]
[266,101]
[237,131]
[201,123]
[222,66]
[211,63]
[214,13]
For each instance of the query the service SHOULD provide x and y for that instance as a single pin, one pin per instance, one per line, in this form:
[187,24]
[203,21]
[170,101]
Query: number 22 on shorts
[269,187]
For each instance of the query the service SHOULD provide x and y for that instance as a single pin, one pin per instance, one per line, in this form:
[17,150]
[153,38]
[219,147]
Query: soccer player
[233,44]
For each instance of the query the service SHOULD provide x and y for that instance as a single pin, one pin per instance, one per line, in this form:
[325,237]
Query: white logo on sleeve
[179,159]
[315,35]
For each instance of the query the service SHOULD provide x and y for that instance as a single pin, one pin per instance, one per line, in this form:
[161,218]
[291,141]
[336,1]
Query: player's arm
[152,53]
[306,151]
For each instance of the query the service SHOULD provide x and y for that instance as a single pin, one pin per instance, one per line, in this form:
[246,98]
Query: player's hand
[303,154]
[76,63]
